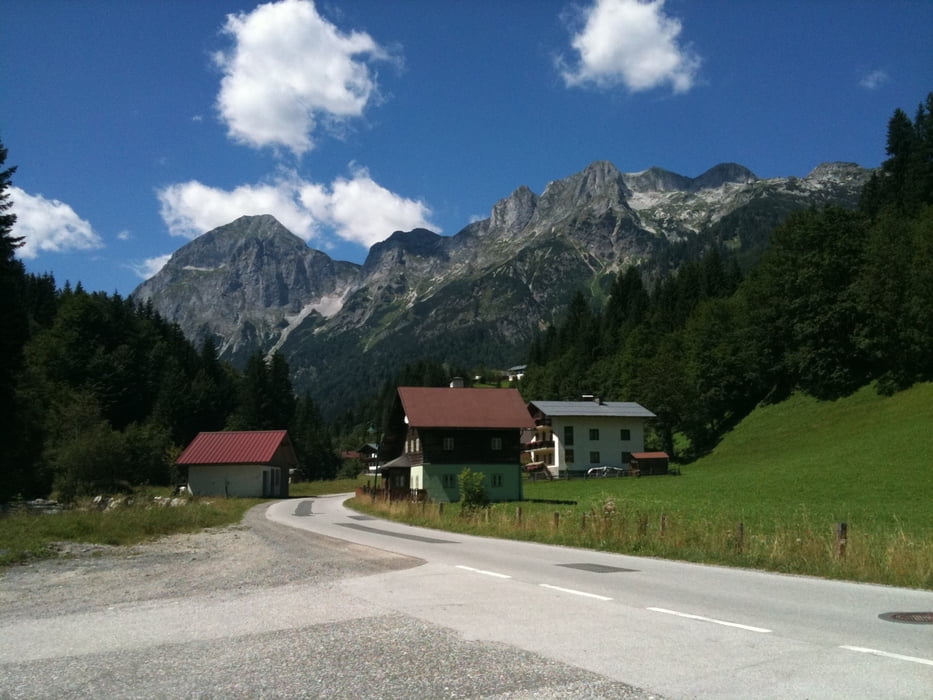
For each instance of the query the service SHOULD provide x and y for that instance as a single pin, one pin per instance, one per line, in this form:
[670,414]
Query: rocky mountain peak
[839,172]
[659,180]
[241,282]
[403,245]
[722,174]
[512,214]
[597,188]
[232,240]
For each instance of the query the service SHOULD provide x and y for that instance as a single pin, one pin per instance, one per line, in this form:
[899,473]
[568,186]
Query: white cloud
[362,211]
[630,43]
[49,225]
[874,80]
[356,209]
[289,68]
[150,266]
[191,208]
[124,235]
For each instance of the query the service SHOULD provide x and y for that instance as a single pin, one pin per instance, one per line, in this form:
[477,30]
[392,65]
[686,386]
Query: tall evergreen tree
[14,330]
[313,442]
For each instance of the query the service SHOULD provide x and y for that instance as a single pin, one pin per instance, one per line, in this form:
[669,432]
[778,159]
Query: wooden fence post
[556,520]
[662,524]
[740,537]
[842,537]
[518,515]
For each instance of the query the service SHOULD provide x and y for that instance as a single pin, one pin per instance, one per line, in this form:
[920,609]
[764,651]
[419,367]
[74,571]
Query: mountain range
[475,298]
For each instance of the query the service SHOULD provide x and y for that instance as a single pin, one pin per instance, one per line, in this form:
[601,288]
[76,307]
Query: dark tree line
[841,298]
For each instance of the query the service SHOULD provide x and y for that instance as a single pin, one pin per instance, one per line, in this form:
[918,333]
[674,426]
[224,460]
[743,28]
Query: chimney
[456,383]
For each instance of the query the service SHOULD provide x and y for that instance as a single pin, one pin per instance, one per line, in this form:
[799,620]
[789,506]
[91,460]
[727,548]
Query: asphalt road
[258,610]
[679,630]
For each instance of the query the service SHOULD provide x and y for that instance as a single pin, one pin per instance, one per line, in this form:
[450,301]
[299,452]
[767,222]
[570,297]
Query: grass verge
[25,536]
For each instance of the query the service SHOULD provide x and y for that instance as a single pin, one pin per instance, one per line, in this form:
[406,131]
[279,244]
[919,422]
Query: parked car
[603,472]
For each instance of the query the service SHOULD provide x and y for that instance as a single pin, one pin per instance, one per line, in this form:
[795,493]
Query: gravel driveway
[253,610]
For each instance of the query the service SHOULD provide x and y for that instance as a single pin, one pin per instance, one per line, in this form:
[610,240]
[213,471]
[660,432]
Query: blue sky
[137,126]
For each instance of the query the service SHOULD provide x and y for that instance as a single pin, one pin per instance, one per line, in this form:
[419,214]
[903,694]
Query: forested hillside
[840,299]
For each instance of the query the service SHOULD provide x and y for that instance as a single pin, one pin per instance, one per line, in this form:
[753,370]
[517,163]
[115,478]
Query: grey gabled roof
[611,409]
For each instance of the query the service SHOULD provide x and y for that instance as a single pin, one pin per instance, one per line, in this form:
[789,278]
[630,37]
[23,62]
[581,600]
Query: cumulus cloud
[288,70]
[362,211]
[874,79]
[630,43]
[356,208]
[192,208]
[49,225]
[150,266]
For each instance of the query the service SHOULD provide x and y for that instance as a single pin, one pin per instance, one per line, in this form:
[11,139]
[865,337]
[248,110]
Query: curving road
[676,629]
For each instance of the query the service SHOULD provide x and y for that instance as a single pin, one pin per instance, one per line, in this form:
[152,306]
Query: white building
[573,436]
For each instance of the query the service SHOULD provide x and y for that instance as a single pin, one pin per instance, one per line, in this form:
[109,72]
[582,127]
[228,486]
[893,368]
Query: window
[497,479]
[594,434]
[594,458]
[496,444]
[568,434]
[625,434]
[569,456]
[449,481]
[448,444]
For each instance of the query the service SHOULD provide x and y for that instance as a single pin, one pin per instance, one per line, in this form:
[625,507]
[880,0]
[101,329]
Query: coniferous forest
[840,299]
[98,392]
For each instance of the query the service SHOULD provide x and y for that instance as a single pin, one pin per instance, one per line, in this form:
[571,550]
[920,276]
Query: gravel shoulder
[253,554]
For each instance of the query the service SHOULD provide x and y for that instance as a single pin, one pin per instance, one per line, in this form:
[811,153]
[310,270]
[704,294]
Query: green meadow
[770,496]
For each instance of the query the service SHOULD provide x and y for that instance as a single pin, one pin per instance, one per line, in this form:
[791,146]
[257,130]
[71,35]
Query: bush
[472,490]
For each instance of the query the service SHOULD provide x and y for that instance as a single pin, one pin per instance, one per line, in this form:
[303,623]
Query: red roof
[650,455]
[233,447]
[450,407]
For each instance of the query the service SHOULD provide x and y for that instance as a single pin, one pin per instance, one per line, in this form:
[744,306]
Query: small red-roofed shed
[650,462]
[247,463]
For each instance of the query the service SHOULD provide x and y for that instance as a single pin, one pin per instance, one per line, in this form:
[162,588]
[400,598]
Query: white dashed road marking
[889,655]
[689,616]
[572,591]
[484,573]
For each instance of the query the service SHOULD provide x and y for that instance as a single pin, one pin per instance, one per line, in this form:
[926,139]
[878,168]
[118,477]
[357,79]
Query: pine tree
[14,330]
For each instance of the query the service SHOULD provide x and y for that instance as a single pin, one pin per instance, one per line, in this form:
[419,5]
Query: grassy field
[768,497]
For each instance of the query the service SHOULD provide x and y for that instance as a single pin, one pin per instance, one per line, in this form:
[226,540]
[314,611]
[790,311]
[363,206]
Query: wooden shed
[648,463]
